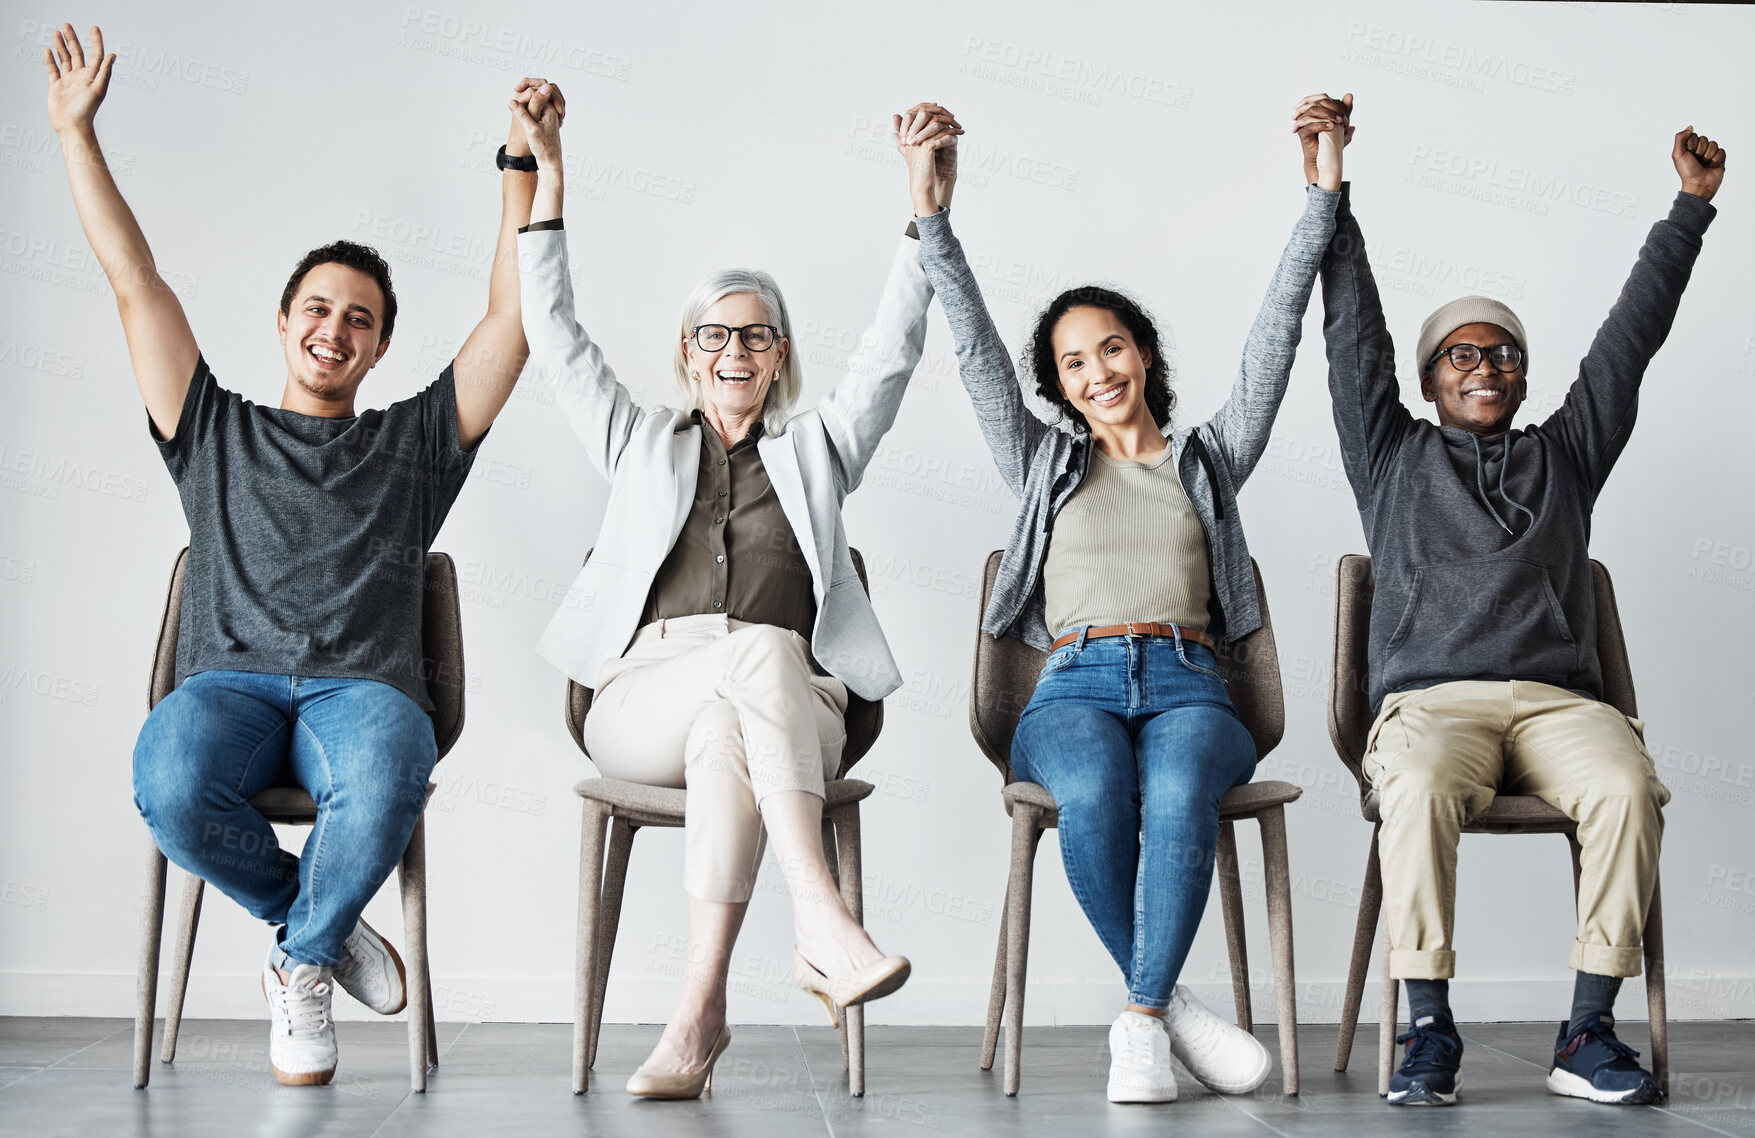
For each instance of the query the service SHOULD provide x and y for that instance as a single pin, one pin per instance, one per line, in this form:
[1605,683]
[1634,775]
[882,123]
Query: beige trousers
[1439,756]
[732,712]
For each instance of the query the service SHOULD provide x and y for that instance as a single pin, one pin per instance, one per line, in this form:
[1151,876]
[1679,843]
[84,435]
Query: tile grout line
[409,1093]
[828,1126]
[70,1055]
[1660,1109]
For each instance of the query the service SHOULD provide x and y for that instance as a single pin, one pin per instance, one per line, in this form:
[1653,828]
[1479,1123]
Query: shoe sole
[1422,1095]
[395,959]
[1577,1086]
[1231,1088]
[307,1079]
[1128,1095]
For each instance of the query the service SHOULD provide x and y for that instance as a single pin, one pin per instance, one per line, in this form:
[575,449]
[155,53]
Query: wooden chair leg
[833,861]
[188,919]
[609,919]
[1386,1018]
[1364,934]
[851,870]
[1656,999]
[996,990]
[412,875]
[152,927]
[594,817]
[1026,834]
[1277,869]
[1236,936]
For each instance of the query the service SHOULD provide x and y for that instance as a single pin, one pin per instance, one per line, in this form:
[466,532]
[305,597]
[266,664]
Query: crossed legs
[733,713]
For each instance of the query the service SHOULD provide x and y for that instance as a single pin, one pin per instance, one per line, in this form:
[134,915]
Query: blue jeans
[361,748]
[1137,741]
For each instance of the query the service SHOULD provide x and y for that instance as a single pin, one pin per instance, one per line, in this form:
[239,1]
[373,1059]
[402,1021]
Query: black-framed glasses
[1467,357]
[756,337]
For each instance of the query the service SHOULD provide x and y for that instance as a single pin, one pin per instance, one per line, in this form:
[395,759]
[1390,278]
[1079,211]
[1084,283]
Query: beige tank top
[1127,546]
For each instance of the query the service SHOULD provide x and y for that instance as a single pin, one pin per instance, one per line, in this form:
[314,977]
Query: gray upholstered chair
[1006,670]
[626,807]
[442,646]
[1349,723]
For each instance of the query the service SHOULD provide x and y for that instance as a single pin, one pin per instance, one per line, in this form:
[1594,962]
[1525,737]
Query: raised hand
[1700,161]
[529,91]
[1324,127]
[926,137]
[539,109]
[76,85]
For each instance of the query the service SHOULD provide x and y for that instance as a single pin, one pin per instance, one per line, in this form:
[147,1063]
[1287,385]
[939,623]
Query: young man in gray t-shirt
[299,648]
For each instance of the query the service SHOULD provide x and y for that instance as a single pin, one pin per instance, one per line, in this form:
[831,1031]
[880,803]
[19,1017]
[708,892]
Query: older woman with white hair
[720,620]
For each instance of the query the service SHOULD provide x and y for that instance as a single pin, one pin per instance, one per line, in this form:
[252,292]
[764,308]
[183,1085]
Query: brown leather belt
[1137,628]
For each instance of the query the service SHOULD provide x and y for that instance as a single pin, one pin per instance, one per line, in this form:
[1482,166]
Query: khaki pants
[732,712]
[1439,756]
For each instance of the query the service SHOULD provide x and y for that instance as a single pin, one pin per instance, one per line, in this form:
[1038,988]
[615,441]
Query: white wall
[1521,150]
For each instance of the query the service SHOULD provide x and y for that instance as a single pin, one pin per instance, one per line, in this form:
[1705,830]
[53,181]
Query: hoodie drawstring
[1481,484]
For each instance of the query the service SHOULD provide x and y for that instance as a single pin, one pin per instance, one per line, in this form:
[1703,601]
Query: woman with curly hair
[1127,565]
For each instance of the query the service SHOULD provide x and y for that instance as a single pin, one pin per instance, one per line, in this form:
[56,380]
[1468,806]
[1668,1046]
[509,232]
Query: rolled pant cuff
[1147,1001]
[1407,964]
[1604,960]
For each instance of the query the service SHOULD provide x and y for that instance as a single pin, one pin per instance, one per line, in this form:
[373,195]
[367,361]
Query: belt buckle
[1131,632]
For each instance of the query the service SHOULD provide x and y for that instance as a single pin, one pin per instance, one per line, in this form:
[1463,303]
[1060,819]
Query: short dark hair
[1160,399]
[352,255]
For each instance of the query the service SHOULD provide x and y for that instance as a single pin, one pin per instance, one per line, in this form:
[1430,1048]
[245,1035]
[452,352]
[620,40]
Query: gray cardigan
[1043,465]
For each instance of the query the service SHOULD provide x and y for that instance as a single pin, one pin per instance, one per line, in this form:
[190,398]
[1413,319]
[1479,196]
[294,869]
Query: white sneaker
[1139,1060]
[371,972]
[301,1034]
[1222,1055]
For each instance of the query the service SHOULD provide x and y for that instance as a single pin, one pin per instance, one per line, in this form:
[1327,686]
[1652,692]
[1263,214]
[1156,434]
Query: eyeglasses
[756,337]
[1467,357]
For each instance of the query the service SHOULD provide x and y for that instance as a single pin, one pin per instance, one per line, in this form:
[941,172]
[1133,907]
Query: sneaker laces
[1196,1026]
[1139,1055]
[303,1009]
[1606,1036]
[1419,1038]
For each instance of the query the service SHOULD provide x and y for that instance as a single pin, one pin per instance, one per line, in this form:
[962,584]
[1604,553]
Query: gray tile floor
[70,1076]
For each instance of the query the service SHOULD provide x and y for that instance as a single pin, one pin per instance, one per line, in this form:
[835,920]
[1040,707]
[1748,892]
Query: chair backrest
[864,718]
[1006,670]
[441,645]
[1349,692]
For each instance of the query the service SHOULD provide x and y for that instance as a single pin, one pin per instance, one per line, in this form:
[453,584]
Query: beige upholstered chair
[1349,723]
[625,807]
[442,643]
[1005,677]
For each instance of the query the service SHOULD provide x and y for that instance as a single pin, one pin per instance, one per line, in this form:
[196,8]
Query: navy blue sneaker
[1593,1064]
[1429,1073]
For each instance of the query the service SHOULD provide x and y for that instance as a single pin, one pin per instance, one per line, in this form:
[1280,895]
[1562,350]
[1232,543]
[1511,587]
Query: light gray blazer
[651,459]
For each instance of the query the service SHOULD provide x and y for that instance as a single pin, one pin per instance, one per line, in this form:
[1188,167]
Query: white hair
[783,391]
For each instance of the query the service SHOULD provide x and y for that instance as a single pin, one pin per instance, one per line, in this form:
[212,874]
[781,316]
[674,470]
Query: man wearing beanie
[1483,664]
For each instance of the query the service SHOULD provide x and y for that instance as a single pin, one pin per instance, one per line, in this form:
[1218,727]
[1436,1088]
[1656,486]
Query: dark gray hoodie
[1480,547]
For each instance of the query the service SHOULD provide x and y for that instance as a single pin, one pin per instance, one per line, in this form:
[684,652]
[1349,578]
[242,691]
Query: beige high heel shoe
[671,1085]
[875,980]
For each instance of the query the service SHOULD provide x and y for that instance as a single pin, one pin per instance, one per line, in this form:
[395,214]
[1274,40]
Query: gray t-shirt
[308,536]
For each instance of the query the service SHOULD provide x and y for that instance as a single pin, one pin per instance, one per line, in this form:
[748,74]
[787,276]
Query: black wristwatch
[525,164]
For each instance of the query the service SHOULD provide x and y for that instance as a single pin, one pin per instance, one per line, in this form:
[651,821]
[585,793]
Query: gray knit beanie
[1467,310]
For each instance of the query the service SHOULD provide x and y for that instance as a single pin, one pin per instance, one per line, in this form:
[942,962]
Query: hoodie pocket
[1486,617]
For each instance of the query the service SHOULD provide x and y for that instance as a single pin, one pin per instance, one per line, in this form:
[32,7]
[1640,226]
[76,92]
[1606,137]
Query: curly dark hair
[1039,360]
[352,255]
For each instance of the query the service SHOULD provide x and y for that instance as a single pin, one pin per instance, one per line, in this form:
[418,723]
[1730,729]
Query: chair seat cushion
[1239,801]
[294,804]
[1509,814]
[664,805]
